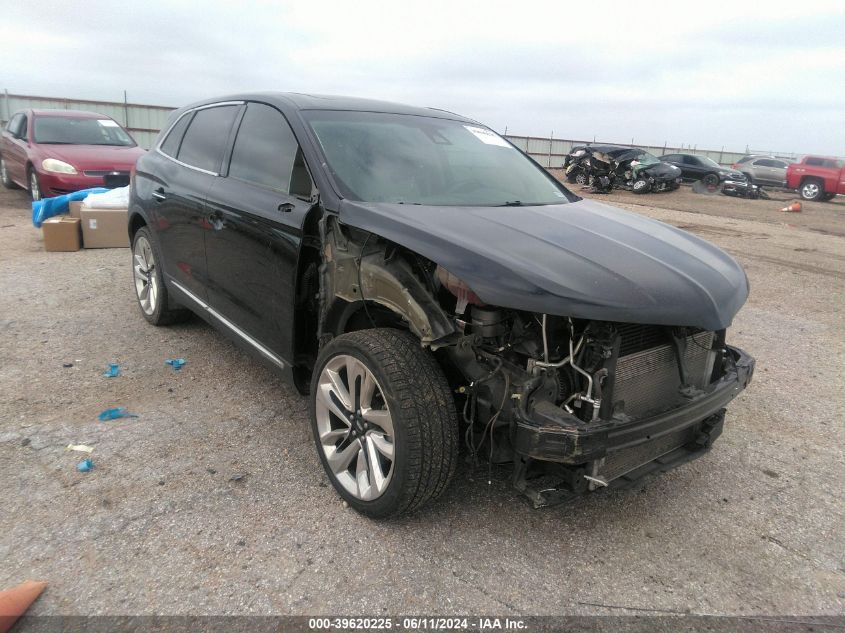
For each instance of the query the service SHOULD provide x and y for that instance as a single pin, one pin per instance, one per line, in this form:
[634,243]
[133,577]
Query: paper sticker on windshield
[107,123]
[486,136]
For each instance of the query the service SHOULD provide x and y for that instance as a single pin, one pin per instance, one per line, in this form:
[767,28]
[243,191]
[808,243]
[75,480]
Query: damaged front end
[583,404]
[575,404]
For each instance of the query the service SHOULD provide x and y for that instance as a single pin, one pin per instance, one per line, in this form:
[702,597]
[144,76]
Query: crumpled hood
[582,259]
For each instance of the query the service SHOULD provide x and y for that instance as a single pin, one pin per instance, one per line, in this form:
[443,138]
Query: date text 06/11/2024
[418,623]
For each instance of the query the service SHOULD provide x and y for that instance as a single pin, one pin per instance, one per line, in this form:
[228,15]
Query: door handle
[286,207]
[159,194]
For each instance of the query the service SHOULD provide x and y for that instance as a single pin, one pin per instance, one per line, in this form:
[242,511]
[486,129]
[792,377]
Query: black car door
[192,156]
[693,168]
[256,213]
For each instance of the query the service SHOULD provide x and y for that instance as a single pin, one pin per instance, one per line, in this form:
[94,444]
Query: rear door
[257,213]
[192,155]
[15,146]
[693,168]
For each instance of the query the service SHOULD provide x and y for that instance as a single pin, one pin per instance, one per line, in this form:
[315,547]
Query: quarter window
[265,149]
[170,146]
[205,140]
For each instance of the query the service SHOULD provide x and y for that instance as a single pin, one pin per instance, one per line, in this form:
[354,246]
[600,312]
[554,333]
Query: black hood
[583,259]
[664,171]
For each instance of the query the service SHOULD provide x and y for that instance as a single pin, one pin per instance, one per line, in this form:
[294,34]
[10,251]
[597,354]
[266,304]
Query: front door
[256,212]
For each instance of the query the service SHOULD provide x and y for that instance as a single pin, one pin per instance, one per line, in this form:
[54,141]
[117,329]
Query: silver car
[763,170]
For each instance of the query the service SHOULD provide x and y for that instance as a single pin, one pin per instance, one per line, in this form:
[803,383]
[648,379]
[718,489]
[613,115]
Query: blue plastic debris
[48,207]
[115,414]
[85,465]
[175,363]
[113,371]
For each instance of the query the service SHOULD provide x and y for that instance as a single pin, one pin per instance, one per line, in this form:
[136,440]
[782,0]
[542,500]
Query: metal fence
[142,121]
[145,121]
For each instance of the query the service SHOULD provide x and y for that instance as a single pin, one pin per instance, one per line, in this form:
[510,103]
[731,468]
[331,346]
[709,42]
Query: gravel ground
[213,501]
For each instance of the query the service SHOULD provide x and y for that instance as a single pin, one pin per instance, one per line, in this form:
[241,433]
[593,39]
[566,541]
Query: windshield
[647,159]
[710,162]
[61,130]
[380,157]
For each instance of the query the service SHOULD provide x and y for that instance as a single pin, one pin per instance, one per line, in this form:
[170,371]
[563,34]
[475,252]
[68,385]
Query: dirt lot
[213,500]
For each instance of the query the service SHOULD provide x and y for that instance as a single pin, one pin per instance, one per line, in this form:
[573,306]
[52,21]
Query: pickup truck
[817,177]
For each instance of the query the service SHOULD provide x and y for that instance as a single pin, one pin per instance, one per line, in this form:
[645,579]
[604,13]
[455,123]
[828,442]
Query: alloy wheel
[4,176]
[146,283]
[355,427]
[581,178]
[810,190]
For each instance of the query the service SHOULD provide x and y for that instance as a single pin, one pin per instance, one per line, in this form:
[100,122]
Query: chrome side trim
[163,136]
[234,328]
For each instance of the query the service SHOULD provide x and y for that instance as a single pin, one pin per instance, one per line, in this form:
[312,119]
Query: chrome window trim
[179,118]
[269,355]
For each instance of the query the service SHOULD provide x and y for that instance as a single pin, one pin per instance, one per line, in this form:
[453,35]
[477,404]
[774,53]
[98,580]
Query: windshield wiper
[511,203]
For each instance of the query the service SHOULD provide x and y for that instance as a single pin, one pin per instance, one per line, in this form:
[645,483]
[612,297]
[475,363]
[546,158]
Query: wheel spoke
[362,476]
[153,293]
[339,460]
[330,399]
[333,435]
[144,294]
[376,475]
[334,383]
[356,375]
[381,418]
[382,444]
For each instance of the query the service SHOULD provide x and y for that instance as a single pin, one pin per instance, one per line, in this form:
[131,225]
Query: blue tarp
[48,207]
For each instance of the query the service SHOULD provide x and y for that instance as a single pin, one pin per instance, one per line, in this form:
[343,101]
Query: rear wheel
[34,184]
[384,421]
[4,176]
[153,299]
[811,189]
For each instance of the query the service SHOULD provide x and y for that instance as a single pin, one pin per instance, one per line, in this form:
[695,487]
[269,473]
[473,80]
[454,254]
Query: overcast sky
[767,75]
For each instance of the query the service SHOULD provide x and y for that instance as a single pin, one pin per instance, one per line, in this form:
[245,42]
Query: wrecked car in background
[429,285]
[606,167]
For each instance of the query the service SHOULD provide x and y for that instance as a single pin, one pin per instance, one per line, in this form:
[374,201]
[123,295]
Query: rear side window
[205,140]
[744,159]
[171,143]
[17,126]
[265,148]
[765,162]
[779,164]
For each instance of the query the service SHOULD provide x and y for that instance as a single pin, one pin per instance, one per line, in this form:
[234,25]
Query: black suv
[429,285]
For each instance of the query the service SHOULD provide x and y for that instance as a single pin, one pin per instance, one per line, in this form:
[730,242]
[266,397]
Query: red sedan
[54,152]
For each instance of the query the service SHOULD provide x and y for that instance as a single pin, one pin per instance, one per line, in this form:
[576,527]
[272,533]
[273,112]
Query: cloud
[725,76]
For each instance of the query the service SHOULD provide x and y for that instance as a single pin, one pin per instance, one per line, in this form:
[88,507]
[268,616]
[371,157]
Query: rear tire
[153,299]
[748,177]
[4,176]
[811,189]
[407,412]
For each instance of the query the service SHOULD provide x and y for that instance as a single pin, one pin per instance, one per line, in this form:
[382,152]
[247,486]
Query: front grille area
[105,172]
[648,380]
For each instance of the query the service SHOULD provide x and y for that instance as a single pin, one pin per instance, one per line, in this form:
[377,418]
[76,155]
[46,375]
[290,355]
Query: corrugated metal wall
[145,121]
[142,121]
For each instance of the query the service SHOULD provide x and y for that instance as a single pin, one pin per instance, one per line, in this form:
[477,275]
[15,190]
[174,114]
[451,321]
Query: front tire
[384,421]
[153,299]
[34,184]
[811,189]
[711,181]
[641,186]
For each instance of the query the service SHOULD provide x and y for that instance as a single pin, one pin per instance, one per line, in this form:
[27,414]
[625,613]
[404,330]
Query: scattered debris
[67,365]
[175,363]
[115,414]
[113,371]
[15,601]
[85,466]
[81,448]
[26,441]
[238,477]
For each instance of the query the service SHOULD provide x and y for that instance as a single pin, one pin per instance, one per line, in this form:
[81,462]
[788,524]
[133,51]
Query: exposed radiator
[648,381]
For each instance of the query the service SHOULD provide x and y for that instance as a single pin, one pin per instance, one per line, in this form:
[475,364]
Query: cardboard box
[105,228]
[75,208]
[61,234]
